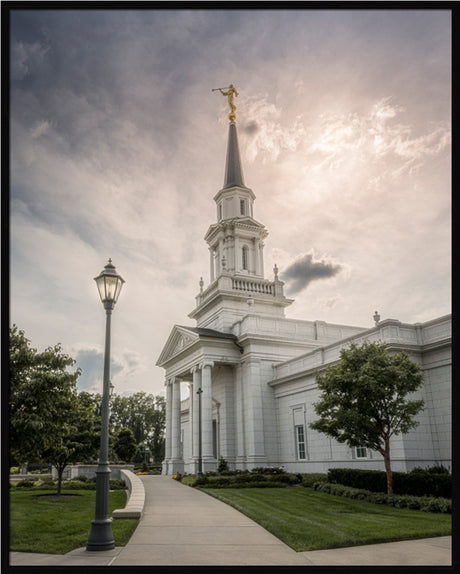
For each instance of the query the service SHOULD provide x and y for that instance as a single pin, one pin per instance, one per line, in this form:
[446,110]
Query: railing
[253,286]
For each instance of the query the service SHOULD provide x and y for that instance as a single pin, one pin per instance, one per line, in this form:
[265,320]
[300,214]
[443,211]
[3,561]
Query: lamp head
[109,284]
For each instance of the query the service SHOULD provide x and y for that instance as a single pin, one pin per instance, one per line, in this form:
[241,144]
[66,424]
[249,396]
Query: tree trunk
[386,458]
[60,470]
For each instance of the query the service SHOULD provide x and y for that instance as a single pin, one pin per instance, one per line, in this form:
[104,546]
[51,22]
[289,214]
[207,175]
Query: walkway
[182,526]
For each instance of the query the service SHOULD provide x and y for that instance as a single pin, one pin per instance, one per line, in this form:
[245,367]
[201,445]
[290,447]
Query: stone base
[171,466]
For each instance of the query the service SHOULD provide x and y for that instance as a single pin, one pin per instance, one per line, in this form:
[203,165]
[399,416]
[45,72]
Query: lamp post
[109,284]
[200,458]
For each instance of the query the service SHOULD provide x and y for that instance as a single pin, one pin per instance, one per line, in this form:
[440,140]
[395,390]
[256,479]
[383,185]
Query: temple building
[251,371]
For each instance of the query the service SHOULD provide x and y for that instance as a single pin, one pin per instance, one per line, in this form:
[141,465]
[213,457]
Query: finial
[376,318]
[230,93]
[275,271]
[201,284]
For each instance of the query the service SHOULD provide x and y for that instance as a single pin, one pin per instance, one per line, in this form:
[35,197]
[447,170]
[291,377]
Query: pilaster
[253,419]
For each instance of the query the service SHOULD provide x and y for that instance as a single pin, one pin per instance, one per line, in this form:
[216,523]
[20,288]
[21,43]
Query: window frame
[359,449]
[301,445]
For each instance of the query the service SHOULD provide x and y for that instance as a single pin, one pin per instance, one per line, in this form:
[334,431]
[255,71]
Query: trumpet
[217,89]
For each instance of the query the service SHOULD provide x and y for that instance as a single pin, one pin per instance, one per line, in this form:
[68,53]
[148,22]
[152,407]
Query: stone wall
[89,470]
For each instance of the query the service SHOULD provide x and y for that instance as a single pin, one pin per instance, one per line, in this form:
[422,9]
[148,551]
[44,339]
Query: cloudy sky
[118,148]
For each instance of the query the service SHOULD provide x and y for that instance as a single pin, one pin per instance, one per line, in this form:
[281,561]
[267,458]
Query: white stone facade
[256,369]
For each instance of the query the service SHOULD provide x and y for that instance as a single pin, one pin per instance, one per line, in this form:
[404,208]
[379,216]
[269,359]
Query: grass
[56,525]
[309,520]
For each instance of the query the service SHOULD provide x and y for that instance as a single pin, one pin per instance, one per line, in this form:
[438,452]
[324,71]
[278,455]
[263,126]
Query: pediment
[179,340]
[246,222]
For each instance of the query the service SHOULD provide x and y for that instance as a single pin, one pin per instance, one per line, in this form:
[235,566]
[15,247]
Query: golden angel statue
[230,93]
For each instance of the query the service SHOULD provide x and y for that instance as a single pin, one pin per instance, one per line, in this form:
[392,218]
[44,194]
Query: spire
[233,169]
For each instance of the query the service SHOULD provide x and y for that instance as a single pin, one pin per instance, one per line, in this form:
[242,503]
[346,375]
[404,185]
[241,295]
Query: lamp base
[100,536]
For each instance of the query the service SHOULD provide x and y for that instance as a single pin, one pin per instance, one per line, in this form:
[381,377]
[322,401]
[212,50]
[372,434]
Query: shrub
[418,482]
[268,470]
[77,485]
[289,479]
[25,484]
[308,480]
[222,466]
[438,469]
[117,484]
[423,503]
[15,470]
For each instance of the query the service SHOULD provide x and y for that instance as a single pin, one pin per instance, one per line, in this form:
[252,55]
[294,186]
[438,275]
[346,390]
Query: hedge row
[244,480]
[49,484]
[423,503]
[308,480]
[418,482]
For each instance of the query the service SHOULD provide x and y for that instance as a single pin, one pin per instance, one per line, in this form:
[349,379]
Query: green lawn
[57,525]
[309,520]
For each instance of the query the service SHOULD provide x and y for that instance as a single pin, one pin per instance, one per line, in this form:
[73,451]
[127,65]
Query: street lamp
[109,284]
[200,458]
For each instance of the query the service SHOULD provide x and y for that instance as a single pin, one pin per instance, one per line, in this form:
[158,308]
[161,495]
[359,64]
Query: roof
[202,332]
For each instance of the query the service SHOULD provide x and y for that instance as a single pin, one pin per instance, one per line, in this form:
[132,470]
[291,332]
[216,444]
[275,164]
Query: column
[167,427]
[239,418]
[206,414]
[256,252]
[196,384]
[189,435]
[261,258]
[211,263]
[175,426]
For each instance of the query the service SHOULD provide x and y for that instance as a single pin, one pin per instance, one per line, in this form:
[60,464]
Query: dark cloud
[251,127]
[305,270]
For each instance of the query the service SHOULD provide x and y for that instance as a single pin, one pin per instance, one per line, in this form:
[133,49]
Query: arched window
[244,254]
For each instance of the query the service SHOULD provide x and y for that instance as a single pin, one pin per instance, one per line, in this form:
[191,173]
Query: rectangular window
[245,257]
[361,452]
[300,439]
[242,206]
[220,211]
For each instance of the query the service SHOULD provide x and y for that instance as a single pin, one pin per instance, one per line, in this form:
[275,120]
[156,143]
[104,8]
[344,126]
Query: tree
[79,441]
[125,444]
[41,399]
[145,415]
[363,400]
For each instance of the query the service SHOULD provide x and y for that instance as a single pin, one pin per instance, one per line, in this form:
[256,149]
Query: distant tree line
[50,421]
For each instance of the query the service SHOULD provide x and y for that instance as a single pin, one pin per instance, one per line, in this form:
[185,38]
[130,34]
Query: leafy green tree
[79,441]
[125,444]
[42,393]
[144,414]
[364,401]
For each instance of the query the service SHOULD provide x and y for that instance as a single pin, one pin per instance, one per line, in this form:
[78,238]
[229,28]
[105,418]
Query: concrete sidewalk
[183,526]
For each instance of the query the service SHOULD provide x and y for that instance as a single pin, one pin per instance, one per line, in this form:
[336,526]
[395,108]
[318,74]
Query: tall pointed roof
[233,169]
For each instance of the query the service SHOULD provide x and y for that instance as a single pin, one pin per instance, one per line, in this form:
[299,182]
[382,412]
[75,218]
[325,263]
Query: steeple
[233,169]
[236,244]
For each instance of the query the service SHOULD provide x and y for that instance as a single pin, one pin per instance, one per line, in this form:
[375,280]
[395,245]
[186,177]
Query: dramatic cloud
[118,147]
[306,269]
